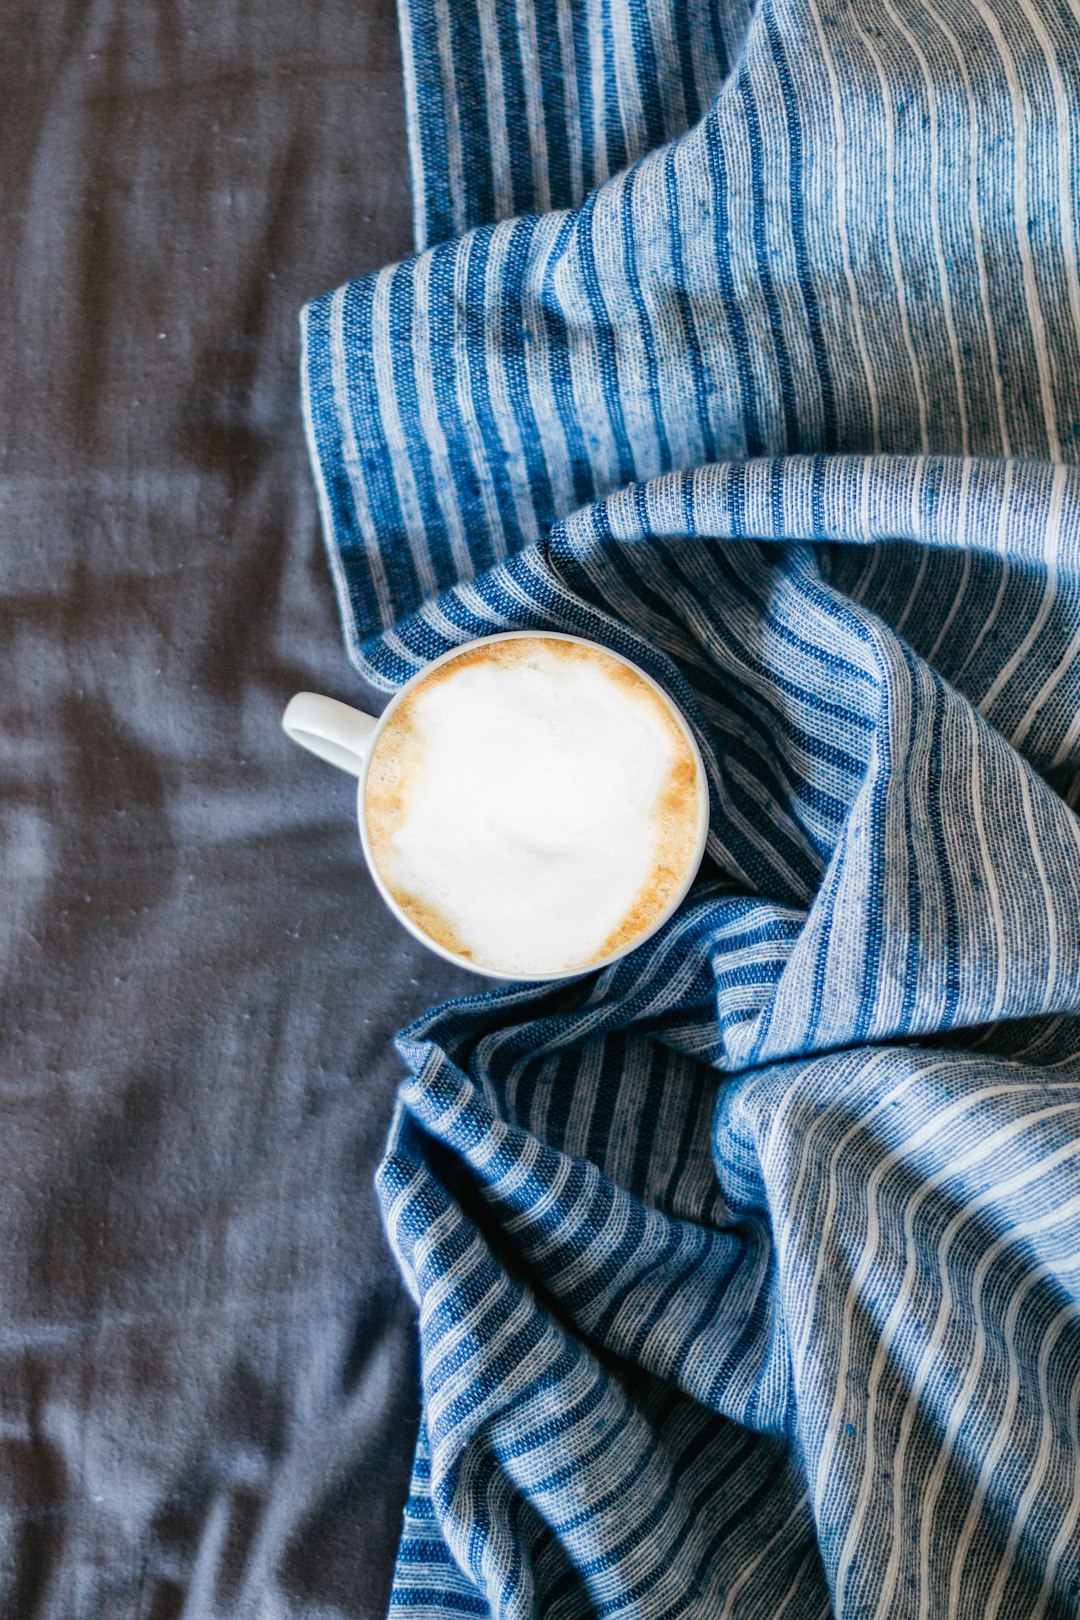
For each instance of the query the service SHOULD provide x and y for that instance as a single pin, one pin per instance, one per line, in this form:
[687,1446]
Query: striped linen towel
[748,1270]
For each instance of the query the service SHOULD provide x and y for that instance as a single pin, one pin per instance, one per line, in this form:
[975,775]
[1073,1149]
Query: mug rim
[464,961]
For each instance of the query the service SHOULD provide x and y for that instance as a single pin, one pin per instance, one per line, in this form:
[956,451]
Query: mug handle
[330,729]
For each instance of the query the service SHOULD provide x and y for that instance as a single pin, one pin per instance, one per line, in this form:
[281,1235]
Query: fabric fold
[748,1270]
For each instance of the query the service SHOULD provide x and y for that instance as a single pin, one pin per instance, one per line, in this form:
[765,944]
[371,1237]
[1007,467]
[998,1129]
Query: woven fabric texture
[748,1270]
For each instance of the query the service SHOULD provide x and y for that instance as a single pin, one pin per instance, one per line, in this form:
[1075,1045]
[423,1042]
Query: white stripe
[497,376]
[383,350]
[1050,909]
[1063,101]
[974,181]
[840,192]
[333,552]
[495,108]
[894,247]
[565,12]
[1021,208]
[529,53]
[902,1154]
[480,453]
[598,88]
[928,1506]
[352,461]
[423,368]
[1066,668]
[393,642]
[455,163]
[976,785]
[413,127]
[1005,1435]
[916,587]
[798,1588]
[752,1568]
[1069,740]
[944,285]
[1067,1528]
[627,86]
[807,1305]
[1052,540]
[901,1308]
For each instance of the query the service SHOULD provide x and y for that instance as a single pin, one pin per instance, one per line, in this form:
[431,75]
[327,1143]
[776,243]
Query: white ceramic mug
[345,737]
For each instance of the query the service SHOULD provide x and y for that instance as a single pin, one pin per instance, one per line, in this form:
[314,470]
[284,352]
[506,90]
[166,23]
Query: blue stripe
[644,327]
[797,215]
[746,1267]
[396,555]
[614,134]
[761,249]
[604,337]
[740,344]
[686,313]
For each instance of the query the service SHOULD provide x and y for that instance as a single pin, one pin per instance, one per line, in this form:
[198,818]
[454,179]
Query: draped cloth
[748,1269]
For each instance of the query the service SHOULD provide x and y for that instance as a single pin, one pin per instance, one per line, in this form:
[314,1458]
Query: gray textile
[206,1387]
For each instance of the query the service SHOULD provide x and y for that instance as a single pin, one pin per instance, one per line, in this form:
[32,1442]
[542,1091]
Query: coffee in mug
[532,805]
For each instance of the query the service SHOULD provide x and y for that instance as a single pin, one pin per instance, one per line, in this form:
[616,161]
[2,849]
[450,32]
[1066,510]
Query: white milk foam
[518,801]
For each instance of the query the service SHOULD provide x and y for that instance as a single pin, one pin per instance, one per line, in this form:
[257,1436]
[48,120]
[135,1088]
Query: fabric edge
[333,551]
[413,136]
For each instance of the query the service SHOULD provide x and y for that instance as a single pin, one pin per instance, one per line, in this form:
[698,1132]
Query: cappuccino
[533,805]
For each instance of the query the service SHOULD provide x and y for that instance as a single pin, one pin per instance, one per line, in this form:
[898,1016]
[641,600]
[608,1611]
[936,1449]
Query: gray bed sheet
[207,1379]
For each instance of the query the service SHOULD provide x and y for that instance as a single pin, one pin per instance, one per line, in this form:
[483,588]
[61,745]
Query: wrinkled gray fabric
[206,1375]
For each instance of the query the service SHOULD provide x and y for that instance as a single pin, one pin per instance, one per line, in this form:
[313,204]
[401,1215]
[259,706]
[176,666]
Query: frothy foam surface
[533,805]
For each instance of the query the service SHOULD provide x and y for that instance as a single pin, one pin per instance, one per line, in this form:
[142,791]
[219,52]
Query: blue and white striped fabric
[748,1271]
